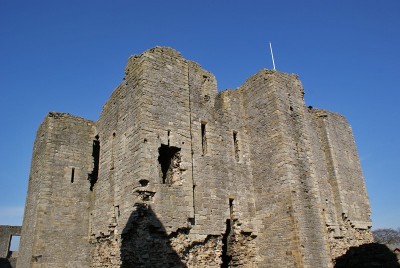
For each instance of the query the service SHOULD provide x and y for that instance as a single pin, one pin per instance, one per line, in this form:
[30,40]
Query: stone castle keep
[175,174]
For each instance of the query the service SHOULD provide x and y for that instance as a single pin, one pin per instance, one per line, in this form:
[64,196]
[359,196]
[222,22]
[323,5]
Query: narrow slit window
[236,145]
[231,208]
[117,212]
[112,151]
[203,138]
[96,157]
[72,175]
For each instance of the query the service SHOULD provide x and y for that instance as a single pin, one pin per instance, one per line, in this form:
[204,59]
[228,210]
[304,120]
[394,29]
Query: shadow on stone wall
[372,255]
[145,242]
[5,263]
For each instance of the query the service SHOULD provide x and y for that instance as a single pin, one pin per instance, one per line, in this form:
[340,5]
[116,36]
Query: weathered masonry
[175,174]
[8,258]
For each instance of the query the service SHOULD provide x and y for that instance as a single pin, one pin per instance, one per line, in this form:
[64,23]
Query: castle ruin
[175,174]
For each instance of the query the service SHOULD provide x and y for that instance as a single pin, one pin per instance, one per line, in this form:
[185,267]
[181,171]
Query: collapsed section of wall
[55,229]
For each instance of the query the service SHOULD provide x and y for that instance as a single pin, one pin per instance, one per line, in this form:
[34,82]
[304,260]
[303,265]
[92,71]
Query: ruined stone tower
[175,174]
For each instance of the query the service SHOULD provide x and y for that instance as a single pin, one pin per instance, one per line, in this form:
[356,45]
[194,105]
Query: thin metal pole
[272,55]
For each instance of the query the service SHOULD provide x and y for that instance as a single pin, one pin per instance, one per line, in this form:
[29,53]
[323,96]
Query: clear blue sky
[68,56]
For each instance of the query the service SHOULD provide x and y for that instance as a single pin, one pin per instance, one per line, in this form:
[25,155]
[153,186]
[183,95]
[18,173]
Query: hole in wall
[14,243]
[203,138]
[143,182]
[116,211]
[236,145]
[192,221]
[72,175]
[93,176]
[231,208]
[112,166]
[169,159]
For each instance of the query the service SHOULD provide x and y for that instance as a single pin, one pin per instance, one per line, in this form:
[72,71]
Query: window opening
[72,175]
[231,208]
[169,159]
[14,244]
[93,176]
[112,151]
[236,145]
[203,138]
[116,211]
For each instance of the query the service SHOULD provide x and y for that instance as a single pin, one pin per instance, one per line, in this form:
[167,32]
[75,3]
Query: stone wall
[8,258]
[343,194]
[181,175]
[284,178]
[55,230]
[6,232]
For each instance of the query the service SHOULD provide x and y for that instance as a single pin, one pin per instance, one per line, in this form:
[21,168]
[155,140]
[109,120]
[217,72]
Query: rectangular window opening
[72,175]
[112,151]
[236,145]
[14,243]
[231,208]
[203,138]
[116,211]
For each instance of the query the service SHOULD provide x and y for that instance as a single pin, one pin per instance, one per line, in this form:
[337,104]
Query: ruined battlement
[175,173]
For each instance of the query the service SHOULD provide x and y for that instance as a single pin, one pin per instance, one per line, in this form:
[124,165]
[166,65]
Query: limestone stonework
[175,174]
[8,258]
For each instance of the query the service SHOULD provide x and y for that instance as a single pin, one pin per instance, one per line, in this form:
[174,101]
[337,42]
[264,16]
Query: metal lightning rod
[272,55]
